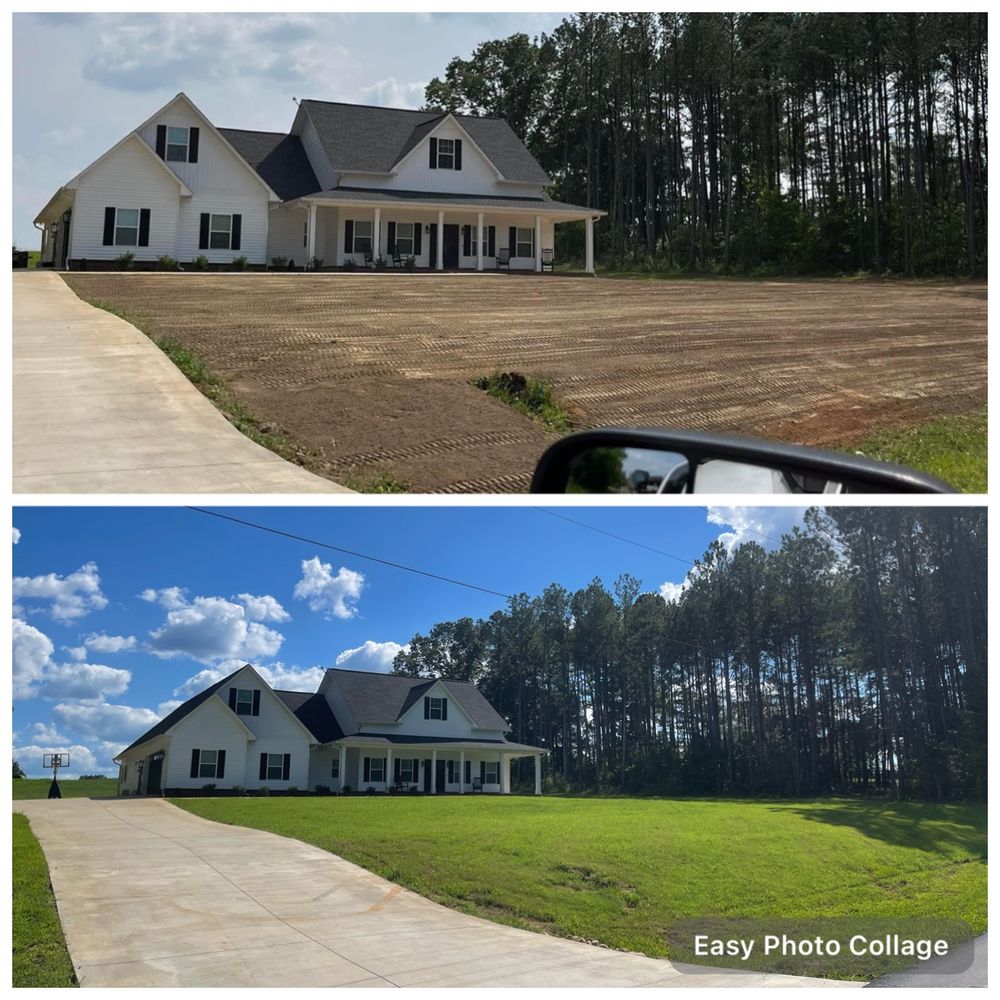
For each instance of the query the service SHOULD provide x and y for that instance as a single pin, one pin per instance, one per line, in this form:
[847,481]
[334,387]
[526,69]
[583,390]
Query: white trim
[325,200]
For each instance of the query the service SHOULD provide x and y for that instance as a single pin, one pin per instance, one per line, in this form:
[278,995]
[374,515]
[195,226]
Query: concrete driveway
[150,895]
[98,408]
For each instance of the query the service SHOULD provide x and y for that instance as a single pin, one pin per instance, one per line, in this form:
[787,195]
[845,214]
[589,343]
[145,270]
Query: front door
[439,777]
[427,775]
[154,774]
[64,249]
[451,246]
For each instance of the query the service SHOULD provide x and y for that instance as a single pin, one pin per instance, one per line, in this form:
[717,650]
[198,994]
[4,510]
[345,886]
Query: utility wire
[349,552]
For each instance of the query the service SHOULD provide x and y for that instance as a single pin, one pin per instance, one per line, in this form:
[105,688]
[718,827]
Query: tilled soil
[371,371]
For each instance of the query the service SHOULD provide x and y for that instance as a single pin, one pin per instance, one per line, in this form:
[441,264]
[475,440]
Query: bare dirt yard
[372,371]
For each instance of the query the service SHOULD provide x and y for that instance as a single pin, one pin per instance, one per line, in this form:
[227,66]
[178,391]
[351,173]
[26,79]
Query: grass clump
[382,482]
[953,449]
[530,396]
[40,957]
[81,788]
[562,865]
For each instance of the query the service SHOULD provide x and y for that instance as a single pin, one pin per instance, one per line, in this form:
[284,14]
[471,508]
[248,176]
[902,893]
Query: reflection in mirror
[648,471]
[628,470]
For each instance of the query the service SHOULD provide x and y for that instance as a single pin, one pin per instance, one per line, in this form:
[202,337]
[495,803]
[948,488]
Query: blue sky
[122,613]
[82,81]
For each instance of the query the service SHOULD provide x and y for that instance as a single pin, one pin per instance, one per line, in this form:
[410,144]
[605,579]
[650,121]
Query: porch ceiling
[428,743]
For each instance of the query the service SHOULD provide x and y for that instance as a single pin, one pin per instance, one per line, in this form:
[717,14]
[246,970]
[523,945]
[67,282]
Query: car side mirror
[631,461]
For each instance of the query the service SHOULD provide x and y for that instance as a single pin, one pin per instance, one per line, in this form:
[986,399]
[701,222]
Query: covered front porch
[433,768]
[424,235]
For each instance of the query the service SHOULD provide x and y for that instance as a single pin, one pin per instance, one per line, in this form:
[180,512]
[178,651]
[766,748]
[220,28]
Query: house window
[375,767]
[525,243]
[468,772]
[178,141]
[451,772]
[446,154]
[220,232]
[436,708]
[244,702]
[127,227]
[275,766]
[492,773]
[362,237]
[207,763]
[407,771]
[335,769]
[404,239]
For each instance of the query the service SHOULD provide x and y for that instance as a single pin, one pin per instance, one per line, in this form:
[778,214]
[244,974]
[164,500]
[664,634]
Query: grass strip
[78,788]
[530,396]
[40,957]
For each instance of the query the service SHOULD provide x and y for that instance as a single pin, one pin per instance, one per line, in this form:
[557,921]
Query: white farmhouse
[360,731]
[347,184]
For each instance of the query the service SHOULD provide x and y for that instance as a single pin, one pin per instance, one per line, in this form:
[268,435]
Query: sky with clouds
[122,613]
[105,74]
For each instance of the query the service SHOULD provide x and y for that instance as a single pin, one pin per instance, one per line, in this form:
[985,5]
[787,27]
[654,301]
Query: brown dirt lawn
[371,371]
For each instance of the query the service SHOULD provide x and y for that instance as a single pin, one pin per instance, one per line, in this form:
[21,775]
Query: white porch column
[361,769]
[311,239]
[538,243]
[376,231]
[504,775]
[588,226]
[434,753]
[461,760]
[439,263]
[342,770]
[479,242]
[538,774]
[388,767]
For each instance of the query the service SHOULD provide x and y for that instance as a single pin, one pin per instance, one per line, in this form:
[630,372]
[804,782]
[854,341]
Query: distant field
[621,871]
[38,788]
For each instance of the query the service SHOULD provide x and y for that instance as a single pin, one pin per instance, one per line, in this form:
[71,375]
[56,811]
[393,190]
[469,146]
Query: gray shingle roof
[313,711]
[280,160]
[384,698]
[363,138]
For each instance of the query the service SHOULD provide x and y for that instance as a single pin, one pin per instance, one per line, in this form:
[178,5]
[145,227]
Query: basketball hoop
[55,761]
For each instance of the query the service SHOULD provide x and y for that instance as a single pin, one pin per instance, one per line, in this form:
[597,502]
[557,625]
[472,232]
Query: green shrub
[240,263]
[530,396]
[208,788]
[125,261]
[201,262]
[323,790]
[263,790]
[316,263]
[410,264]
[381,264]
[350,265]
[291,264]
[167,263]
[279,262]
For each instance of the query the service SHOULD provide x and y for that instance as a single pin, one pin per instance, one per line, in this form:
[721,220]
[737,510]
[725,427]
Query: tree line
[851,659]
[753,142]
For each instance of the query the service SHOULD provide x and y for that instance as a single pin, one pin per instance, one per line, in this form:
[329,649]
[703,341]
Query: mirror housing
[795,468]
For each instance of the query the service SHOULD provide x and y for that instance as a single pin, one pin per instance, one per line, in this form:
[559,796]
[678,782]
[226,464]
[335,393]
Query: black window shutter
[512,238]
[109,227]
[237,232]
[491,247]
[482,771]
[263,766]
[220,770]
[392,237]
[395,769]
[286,766]
[368,768]
[195,761]
[203,235]
[427,708]
[144,227]
[349,236]
[255,710]
[458,154]
[466,241]
[161,141]
[434,154]
[418,234]
[468,772]
[232,698]
[444,709]
[192,145]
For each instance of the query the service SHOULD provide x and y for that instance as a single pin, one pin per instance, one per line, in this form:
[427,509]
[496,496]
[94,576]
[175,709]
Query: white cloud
[78,653]
[32,655]
[83,681]
[101,721]
[278,675]
[46,733]
[100,643]
[212,628]
[82,759]
[71,596]
[763,525]
[376,657]
[17,535]
[392,93]
[263,609]
[169,597]
[672,591]
[333,595]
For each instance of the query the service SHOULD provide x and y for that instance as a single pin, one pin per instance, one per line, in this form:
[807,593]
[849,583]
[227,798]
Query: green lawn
[621,871]
[953,449]
[86,788]
[40,957]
